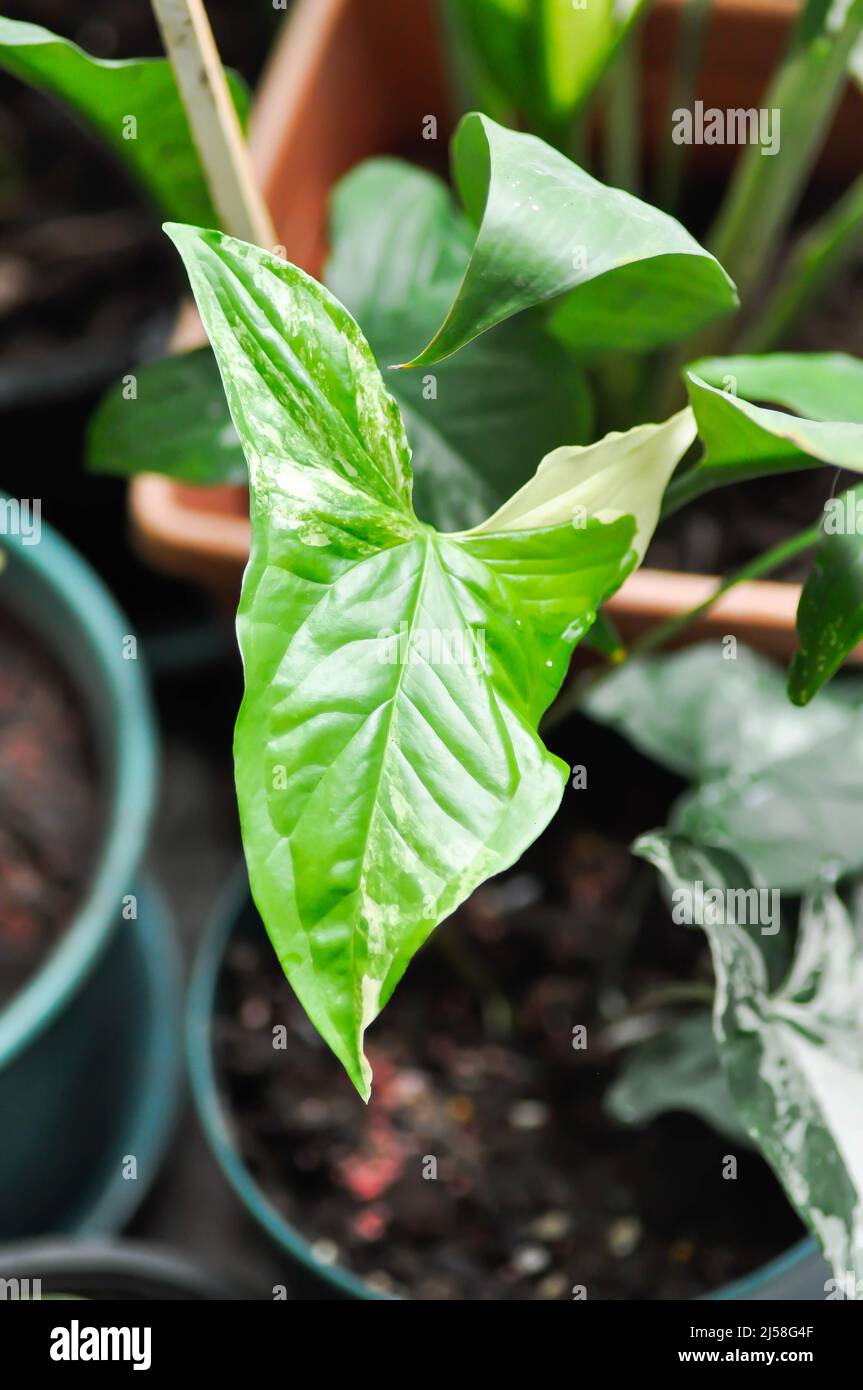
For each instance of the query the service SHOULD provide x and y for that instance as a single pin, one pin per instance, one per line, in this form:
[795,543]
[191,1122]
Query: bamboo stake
[213,121]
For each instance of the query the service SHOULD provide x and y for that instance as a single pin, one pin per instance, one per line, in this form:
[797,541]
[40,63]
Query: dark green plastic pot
[799,1274]
[88,1046]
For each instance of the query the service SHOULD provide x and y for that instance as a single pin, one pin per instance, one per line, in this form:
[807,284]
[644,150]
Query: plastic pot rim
[128,780]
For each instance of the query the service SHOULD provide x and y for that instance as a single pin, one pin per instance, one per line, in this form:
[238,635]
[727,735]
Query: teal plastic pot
[88,1045]
[120,1271]
[799,1274]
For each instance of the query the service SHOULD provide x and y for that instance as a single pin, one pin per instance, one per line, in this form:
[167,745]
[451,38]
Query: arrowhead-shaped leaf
[830,612]
[743,439]
[622,275]
[478,425]
[386,751]
[792,1051]
[106,92]
[777,786]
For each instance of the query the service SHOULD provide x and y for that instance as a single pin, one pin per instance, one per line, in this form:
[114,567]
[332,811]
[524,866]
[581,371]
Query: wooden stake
[190,45]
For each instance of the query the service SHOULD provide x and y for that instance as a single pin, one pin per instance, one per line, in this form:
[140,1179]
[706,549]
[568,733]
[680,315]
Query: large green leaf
[678,1070]
[624,276]
[792,1054]
[830,612]
[776,785]
[743,439]
[107,93]
[386,751]
[176,422]
[478,425]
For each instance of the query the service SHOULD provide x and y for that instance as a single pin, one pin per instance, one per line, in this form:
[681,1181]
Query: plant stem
[762,565]
[495,1007]
[621,117]
[213,120]
[571,698]
[765,189]
[818,260]
[687,61]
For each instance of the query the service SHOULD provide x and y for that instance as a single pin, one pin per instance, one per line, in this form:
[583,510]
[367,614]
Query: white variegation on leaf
[620,475]
[792,1051]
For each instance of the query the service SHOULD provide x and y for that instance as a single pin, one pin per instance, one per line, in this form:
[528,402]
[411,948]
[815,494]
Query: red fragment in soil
[372,1171]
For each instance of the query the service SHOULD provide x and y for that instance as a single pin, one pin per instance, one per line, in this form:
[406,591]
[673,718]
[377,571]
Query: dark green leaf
[110,94]
[830,612]
[177,423]
[679,1070]
[623,276]
[776,785]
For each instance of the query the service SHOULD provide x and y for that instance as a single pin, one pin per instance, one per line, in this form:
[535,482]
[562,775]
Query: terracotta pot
[354,78]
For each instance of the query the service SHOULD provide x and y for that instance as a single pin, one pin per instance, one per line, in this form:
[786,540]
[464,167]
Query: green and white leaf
[679,1070]
[830,611]
[776,785]
[378,783]
[478,425]
[617,274]
[177,423]
[620,475]
[746,440]
[793,1054]
[106,93]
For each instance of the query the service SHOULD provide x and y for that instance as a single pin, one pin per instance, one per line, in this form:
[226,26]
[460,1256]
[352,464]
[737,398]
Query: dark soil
[537,1190]
[49,805]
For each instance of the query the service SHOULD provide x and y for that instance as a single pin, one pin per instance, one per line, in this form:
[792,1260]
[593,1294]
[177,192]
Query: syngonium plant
[379,783]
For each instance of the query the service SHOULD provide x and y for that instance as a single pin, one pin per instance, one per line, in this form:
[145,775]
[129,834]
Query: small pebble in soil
[623,1236]
[552,1225]
[326,1252]
[553,1286]
[528,1114]
[530,1259]
[255,1014]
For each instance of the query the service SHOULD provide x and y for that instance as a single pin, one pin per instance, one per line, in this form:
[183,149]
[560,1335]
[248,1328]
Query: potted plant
[385,68]
[388,755]
[88,974]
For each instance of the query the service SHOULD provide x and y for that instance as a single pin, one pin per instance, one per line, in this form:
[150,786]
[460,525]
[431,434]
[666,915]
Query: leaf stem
[687,62]
[621,123]
[765,188]
[571,697]
[762,565]
[818,260]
